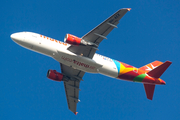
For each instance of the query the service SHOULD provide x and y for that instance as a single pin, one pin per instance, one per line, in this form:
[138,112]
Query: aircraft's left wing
[71,85]
[99,33]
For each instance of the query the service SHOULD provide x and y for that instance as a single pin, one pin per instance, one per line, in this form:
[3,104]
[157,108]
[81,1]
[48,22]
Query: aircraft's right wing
[71,85]
[99,33]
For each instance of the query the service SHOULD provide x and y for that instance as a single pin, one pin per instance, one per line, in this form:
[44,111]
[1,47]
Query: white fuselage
[58,50]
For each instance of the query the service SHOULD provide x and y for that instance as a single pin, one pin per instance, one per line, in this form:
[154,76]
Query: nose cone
[17,37]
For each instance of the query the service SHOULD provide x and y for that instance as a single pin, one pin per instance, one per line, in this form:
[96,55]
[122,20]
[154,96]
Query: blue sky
[150,31]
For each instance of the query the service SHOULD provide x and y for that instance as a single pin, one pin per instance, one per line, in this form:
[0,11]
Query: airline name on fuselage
[51,39]
[77,62]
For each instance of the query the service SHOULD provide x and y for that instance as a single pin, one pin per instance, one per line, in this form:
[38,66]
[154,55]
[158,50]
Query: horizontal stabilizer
[158,71]
[149,89]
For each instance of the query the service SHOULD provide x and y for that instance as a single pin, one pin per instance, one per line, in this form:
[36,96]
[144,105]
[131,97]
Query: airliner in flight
[78,55]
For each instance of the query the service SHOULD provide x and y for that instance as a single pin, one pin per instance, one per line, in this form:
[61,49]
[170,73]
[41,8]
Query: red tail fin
[158,71]
[149,90]
[151,66]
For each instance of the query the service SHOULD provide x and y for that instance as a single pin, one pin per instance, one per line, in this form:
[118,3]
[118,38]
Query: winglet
[128,9]
[75,113]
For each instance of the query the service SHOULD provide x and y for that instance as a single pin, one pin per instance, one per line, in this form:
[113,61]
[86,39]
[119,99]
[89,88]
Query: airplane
[78,56]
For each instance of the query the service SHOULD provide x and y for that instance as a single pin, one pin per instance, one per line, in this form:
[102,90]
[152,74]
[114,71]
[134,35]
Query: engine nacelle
[71,39]
[54,75]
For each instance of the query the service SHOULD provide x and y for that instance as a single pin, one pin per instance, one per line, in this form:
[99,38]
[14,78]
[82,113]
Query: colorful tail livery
[151,66]
[155,73]
[149,74]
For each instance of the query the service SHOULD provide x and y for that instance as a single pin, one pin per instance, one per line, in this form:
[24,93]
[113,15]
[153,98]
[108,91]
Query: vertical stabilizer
[151,66]
[149,89]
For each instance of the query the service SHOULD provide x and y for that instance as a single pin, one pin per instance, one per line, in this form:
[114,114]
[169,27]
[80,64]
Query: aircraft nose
[17,36]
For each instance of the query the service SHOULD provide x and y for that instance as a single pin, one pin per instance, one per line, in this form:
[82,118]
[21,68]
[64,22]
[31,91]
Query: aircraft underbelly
[61,54]
[108,66]
[77,62]
[99,64]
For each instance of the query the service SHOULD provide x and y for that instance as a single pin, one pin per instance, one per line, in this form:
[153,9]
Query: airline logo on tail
[151,66]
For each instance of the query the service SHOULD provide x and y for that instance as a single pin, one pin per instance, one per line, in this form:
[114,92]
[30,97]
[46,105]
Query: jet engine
[54,75]
[73,40]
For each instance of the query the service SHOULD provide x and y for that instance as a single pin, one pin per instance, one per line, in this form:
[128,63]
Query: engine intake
[54,75]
